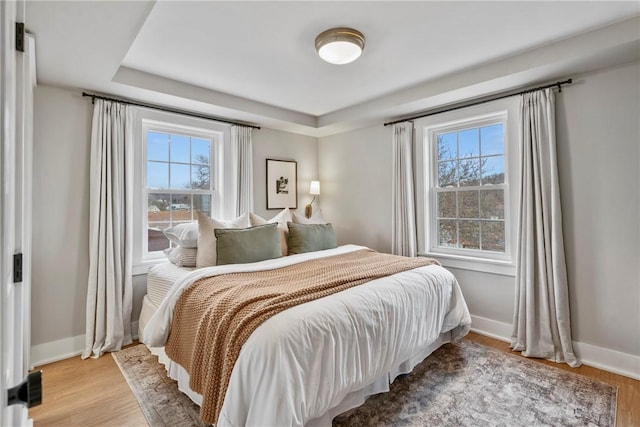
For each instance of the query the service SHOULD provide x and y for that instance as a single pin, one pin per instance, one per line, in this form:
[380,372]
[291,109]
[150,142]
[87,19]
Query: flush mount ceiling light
[340,45]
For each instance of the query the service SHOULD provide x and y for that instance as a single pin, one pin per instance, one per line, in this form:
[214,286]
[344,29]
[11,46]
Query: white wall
[599,160]
[62,132]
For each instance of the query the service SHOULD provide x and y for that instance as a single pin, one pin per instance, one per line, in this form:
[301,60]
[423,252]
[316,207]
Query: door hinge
[28,392]
[20,36]
[17,268]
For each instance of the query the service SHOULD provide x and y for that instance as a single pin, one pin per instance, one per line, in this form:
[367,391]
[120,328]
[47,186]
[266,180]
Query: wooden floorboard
[89,392]
[93,392]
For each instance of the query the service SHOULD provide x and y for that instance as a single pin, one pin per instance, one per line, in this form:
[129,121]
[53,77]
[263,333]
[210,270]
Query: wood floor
[93,392]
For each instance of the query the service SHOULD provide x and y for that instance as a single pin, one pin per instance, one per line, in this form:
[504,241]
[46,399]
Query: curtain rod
[481,100]
[93,97]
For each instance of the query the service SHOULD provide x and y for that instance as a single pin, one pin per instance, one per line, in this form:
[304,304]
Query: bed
[312,362]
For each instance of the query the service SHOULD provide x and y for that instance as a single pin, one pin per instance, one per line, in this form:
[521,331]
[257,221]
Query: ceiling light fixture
[340,45]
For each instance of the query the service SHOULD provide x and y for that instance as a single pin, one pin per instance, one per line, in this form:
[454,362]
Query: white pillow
[182,257]
[207,239]
[316,218]
[184,235]
[282,218]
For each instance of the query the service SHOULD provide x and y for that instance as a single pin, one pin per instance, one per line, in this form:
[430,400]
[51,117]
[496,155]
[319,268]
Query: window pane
[493,170]
[447,204]
[158,218]
[181,207]
[447,233]
[468,204]
[447,174]
[200,151]
[202,203]
[447,146]
[468,143]
[180,149]
[492,140]
[160,201]
[470,234]
[492,204]
[157,146]
[157,175]
[180,176]
[493,236]
[158,207]
[469,172]
[156,241]
[200,177]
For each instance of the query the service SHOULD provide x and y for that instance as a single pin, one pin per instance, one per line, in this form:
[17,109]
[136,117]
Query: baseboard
[53,351]
[609,360]
[613,361]
[491,328]
[65,348]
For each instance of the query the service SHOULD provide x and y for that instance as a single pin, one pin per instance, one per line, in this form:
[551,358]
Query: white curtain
[110,229]
[403,214]
[541,321]
[242,154]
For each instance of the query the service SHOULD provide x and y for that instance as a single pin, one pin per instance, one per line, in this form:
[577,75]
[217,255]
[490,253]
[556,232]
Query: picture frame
[282,184]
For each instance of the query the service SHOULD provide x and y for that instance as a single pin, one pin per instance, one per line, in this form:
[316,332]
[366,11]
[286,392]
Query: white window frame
[152,120]
[427,129]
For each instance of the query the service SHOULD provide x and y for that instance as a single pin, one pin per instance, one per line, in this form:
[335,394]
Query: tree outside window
[470,187]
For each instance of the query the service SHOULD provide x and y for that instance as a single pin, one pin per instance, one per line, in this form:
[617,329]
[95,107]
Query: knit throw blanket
[215,316]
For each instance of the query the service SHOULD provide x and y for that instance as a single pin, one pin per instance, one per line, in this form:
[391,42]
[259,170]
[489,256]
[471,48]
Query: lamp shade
[340,45]
[314,188]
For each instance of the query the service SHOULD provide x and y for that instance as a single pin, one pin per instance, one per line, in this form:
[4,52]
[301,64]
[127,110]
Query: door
[17,79]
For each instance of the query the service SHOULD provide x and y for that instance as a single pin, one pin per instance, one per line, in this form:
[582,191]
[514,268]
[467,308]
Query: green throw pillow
[310,237]
[244,245]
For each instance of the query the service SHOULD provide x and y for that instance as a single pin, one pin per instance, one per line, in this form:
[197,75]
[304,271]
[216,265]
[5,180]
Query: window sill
[503,268]
[143,266]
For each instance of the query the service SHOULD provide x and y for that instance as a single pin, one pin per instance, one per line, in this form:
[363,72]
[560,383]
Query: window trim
[474,259]
[219,133]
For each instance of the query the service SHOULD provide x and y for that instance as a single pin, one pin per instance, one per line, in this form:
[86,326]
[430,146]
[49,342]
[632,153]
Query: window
[178,180]
[468,189]
[179,169]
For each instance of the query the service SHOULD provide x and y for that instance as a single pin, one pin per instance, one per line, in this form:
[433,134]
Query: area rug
[460,384]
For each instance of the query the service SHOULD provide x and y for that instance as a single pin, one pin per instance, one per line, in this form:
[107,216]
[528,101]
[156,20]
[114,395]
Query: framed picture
[282,184]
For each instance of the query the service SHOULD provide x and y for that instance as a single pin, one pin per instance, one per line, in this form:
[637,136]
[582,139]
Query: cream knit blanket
[215,316]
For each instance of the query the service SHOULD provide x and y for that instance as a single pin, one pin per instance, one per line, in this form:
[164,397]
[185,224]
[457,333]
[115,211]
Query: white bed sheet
[302,366]
[161,278]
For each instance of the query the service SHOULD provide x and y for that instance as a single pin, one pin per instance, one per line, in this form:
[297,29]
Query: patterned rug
[460,384]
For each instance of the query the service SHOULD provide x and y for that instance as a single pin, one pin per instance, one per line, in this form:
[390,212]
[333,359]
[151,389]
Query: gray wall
[273,144]
[599,159]
[62,132]
[62,128]
[599,162]
[355,175]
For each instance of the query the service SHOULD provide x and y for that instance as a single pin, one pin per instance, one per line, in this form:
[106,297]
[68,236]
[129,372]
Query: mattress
[160,279]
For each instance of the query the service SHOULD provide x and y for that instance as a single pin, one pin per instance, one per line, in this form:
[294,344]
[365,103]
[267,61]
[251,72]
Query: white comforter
[302,362]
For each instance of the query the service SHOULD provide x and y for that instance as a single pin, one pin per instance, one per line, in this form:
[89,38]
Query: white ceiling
[256,60]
